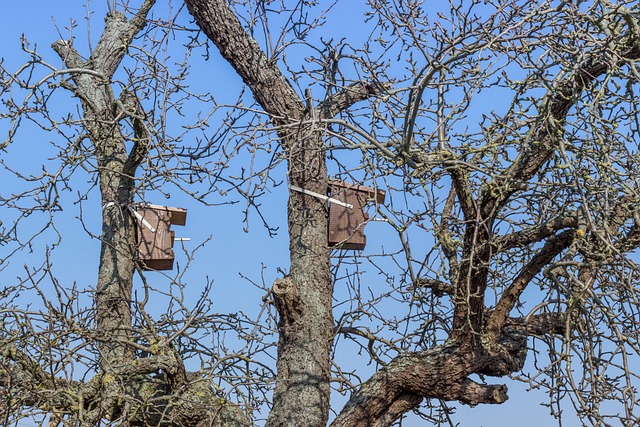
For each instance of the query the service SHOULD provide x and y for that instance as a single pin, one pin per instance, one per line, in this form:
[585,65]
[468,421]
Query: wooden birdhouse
[155,237]
[346,224]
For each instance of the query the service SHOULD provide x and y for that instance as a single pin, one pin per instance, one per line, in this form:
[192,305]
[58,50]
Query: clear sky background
[231,250]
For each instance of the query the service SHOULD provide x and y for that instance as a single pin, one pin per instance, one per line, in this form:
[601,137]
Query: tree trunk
[302,390]
[306,331]
[117,265]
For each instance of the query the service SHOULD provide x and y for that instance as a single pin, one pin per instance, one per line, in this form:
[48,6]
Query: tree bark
[302,391]
[301,395]
[115,170]
[401,385]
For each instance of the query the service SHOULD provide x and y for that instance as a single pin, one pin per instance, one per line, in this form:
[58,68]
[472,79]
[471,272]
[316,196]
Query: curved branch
[356,92]
[537,147]
[542,140]
[533,234]
[402,384]
[242,52]
[510,296]
[117,35]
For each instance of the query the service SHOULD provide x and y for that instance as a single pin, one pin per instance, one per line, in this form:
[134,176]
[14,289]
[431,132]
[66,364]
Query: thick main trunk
[304,298]
[117,258]
[472,283]
[306,323]
[117,255]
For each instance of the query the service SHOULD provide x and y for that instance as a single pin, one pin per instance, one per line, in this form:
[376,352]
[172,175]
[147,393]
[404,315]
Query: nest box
[346,225]
[155,237]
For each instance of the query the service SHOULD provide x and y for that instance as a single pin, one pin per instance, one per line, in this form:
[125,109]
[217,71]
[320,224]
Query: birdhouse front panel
[155,237]
[346,225]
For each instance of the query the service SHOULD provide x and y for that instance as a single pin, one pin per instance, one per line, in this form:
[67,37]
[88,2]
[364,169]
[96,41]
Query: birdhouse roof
[371,193]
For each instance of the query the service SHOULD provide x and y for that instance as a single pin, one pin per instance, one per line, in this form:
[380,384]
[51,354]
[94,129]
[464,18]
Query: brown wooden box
[155,248]
[346,225]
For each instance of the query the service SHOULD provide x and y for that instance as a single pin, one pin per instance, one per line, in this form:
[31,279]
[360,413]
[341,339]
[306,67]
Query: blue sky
[231,251]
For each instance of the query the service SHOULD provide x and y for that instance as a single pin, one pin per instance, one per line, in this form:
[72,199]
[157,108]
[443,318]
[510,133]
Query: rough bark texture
[302,388]
[149,391]
[117,254]
[301,395]
[438,373]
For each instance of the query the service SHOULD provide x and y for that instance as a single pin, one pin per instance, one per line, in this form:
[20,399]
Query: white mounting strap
[141,219]
[320,196]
